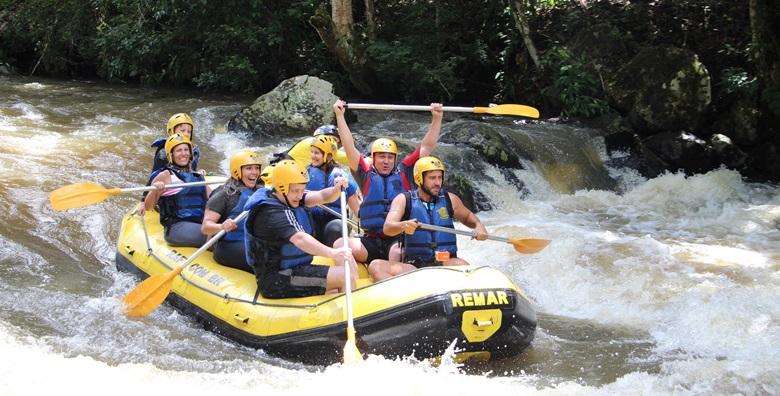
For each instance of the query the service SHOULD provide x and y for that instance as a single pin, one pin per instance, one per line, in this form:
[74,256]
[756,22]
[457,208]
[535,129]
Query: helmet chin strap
[287,201]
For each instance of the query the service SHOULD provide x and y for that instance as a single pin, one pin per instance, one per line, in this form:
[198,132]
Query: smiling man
[381,179]
[428,204]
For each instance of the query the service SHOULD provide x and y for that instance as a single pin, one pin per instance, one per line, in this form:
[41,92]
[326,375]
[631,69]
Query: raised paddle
[150,293]
[88,193]
[522,245]
[351,353]
[502,109]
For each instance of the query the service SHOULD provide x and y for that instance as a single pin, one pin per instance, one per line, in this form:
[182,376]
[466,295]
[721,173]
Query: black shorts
[300,281]
[377,248]
[420,263]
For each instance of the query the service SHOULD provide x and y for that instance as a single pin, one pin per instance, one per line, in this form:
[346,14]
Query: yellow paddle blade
[351,353]
[509,109]
[529,245]
[149,294]
[79,194]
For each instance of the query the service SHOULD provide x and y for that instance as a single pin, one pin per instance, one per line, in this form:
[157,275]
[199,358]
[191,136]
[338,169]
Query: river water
[670,287]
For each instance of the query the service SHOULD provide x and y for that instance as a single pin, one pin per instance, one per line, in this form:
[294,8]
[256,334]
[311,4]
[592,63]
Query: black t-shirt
[276,225]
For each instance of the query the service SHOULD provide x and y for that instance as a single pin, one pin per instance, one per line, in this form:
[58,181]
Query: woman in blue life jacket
[428,204]
[226,203]
[180,123]
[381,178]
[181,209]
[279,241]
[322,172]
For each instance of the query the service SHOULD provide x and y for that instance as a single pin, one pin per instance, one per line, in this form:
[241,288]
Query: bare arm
[353,154]
[210,226]
[162,179]
[393,223]
[312,246]
[467,217]
[326,195]
[432,136]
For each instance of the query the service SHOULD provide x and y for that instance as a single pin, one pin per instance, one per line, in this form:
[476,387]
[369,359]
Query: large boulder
[297,106]
[487,141]
[662,89]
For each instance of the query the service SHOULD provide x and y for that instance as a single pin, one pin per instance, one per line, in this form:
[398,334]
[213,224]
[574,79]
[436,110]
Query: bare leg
[455,261]
[383,269]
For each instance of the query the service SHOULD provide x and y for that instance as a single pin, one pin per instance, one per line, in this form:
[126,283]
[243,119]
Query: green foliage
[47,37]
[573,83]
[737,80]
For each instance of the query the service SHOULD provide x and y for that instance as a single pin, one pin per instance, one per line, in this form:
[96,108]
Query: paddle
[503,109]
[337,214]
[88,193]
[351,353]
[150,293]
[524,245]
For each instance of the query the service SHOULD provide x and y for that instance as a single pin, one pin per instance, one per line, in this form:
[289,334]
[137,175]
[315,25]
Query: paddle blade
[149,294]
[509,109]
[351,353]
[78,195]
[529,245]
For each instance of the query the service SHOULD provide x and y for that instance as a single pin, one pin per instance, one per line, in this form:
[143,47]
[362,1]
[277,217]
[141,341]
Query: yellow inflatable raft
[420,313]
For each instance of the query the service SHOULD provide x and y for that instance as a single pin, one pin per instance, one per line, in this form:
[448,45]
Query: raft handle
[240,318]
[129,249]
[483,323]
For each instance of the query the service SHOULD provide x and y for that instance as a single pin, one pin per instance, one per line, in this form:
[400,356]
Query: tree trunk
[337,32]
[765,30]
[525,31]
[370,23]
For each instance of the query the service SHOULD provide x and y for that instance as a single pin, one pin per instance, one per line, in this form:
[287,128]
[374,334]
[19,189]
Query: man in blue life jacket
[428,204]
[381,180]
[278,237]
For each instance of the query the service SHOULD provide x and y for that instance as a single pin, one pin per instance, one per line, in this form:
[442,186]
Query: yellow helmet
[327,144]
[179,118]
[383,145]
[426,164]
[173,141]
[241,159]
[288,172]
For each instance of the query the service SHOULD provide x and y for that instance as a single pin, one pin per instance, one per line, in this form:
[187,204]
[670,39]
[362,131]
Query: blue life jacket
[378,194]
[186,205]
[238,234]
[262,255]
[161,161]
[319,180]
[423,244]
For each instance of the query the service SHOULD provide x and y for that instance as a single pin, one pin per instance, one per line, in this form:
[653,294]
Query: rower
[428,204]
[381,180]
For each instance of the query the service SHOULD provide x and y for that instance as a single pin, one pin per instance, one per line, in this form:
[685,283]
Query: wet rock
[472,198]
[682,150]
[297,106]
[662,89]
[727,153]
[486,140]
